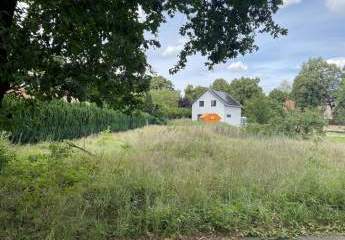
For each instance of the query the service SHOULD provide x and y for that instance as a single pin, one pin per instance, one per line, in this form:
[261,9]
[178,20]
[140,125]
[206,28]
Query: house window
[199,116]
[201,103]
[213,103]
[228,116]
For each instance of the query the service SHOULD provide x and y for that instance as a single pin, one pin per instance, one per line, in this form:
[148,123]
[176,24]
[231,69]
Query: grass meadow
[183,179]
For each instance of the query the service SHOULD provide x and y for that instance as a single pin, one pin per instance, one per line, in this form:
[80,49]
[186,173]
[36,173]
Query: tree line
[319,86]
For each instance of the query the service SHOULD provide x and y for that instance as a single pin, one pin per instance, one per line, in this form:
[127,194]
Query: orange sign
[210,118]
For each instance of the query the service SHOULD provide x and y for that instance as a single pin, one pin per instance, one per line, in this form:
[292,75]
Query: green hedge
[31,121]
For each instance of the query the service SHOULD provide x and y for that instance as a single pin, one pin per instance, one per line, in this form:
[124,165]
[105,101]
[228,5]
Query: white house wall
[207,98]
[235,113]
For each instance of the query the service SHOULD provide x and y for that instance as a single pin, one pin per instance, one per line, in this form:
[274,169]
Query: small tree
[258,109]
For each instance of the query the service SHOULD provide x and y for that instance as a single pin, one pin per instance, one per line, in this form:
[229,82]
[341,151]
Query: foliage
[6,154]
[244,89]
[302,123]
[160,83]
[166,100]
[296,123]
[33,120]
[221,85]
[96,50]
[193,93]
[339,115]
[316,84]
[176,180]
[278,96]
[258,109]
[184,102]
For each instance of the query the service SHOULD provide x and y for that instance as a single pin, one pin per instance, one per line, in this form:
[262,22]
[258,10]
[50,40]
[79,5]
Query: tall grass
[33,121]
[171,181]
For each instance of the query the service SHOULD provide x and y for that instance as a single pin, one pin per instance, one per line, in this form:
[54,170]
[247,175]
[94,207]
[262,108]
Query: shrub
[5,153]
[292,123]
[33,120]
[302,123]
[339,115]
[258,110]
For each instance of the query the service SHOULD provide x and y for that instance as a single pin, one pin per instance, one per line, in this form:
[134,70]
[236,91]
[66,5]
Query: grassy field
[183,179]
[336,137]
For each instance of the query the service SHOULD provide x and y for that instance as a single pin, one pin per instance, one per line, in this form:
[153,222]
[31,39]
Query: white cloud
[290,2]
[173,50]
[238,67]
[336,6]
[339,61]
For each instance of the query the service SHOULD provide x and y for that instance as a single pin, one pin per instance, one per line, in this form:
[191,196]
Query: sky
[316,29]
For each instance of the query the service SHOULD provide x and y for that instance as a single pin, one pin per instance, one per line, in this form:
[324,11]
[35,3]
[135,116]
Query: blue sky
[316,29]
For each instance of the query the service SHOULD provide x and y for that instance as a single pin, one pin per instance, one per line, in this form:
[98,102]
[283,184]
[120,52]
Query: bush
[258,110]
[179,113]
[339,116]
[32,120]
[302,123]
[292,123]
[5,154]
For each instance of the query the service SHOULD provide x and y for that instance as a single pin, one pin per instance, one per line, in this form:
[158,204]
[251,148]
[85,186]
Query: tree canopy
[316,84]
[193,93]
[244,89]
[159,83]
[221,84]
[95,50]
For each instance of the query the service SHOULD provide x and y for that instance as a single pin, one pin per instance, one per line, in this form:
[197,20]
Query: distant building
[289,105]
[217,106]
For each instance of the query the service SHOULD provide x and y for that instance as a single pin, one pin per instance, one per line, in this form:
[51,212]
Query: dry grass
[181,179]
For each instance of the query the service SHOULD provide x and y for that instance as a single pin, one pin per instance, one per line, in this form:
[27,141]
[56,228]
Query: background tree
[278,96]
[166,100]
[221,84]
[163,101]
[339,112]
[258,109]
[95,50]
[184,102]
[193,93]
[159,83]
[244,89]
[316,84]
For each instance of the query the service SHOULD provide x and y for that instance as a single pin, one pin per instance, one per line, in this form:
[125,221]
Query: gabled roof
[225,98]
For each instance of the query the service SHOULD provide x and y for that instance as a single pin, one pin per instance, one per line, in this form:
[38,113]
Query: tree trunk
[7,8]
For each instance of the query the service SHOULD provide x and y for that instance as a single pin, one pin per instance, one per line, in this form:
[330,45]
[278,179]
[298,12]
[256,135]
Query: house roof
[225,98]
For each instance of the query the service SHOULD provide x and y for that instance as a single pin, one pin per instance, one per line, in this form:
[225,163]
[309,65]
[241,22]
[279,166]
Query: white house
[220,103]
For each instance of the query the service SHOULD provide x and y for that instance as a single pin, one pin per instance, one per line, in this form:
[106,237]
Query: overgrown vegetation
[306,124]
[33,120]
[181,179]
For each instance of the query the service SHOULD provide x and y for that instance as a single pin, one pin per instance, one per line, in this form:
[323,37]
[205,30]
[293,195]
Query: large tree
[220,84]
[316,84]
[244,89]
[95,49]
